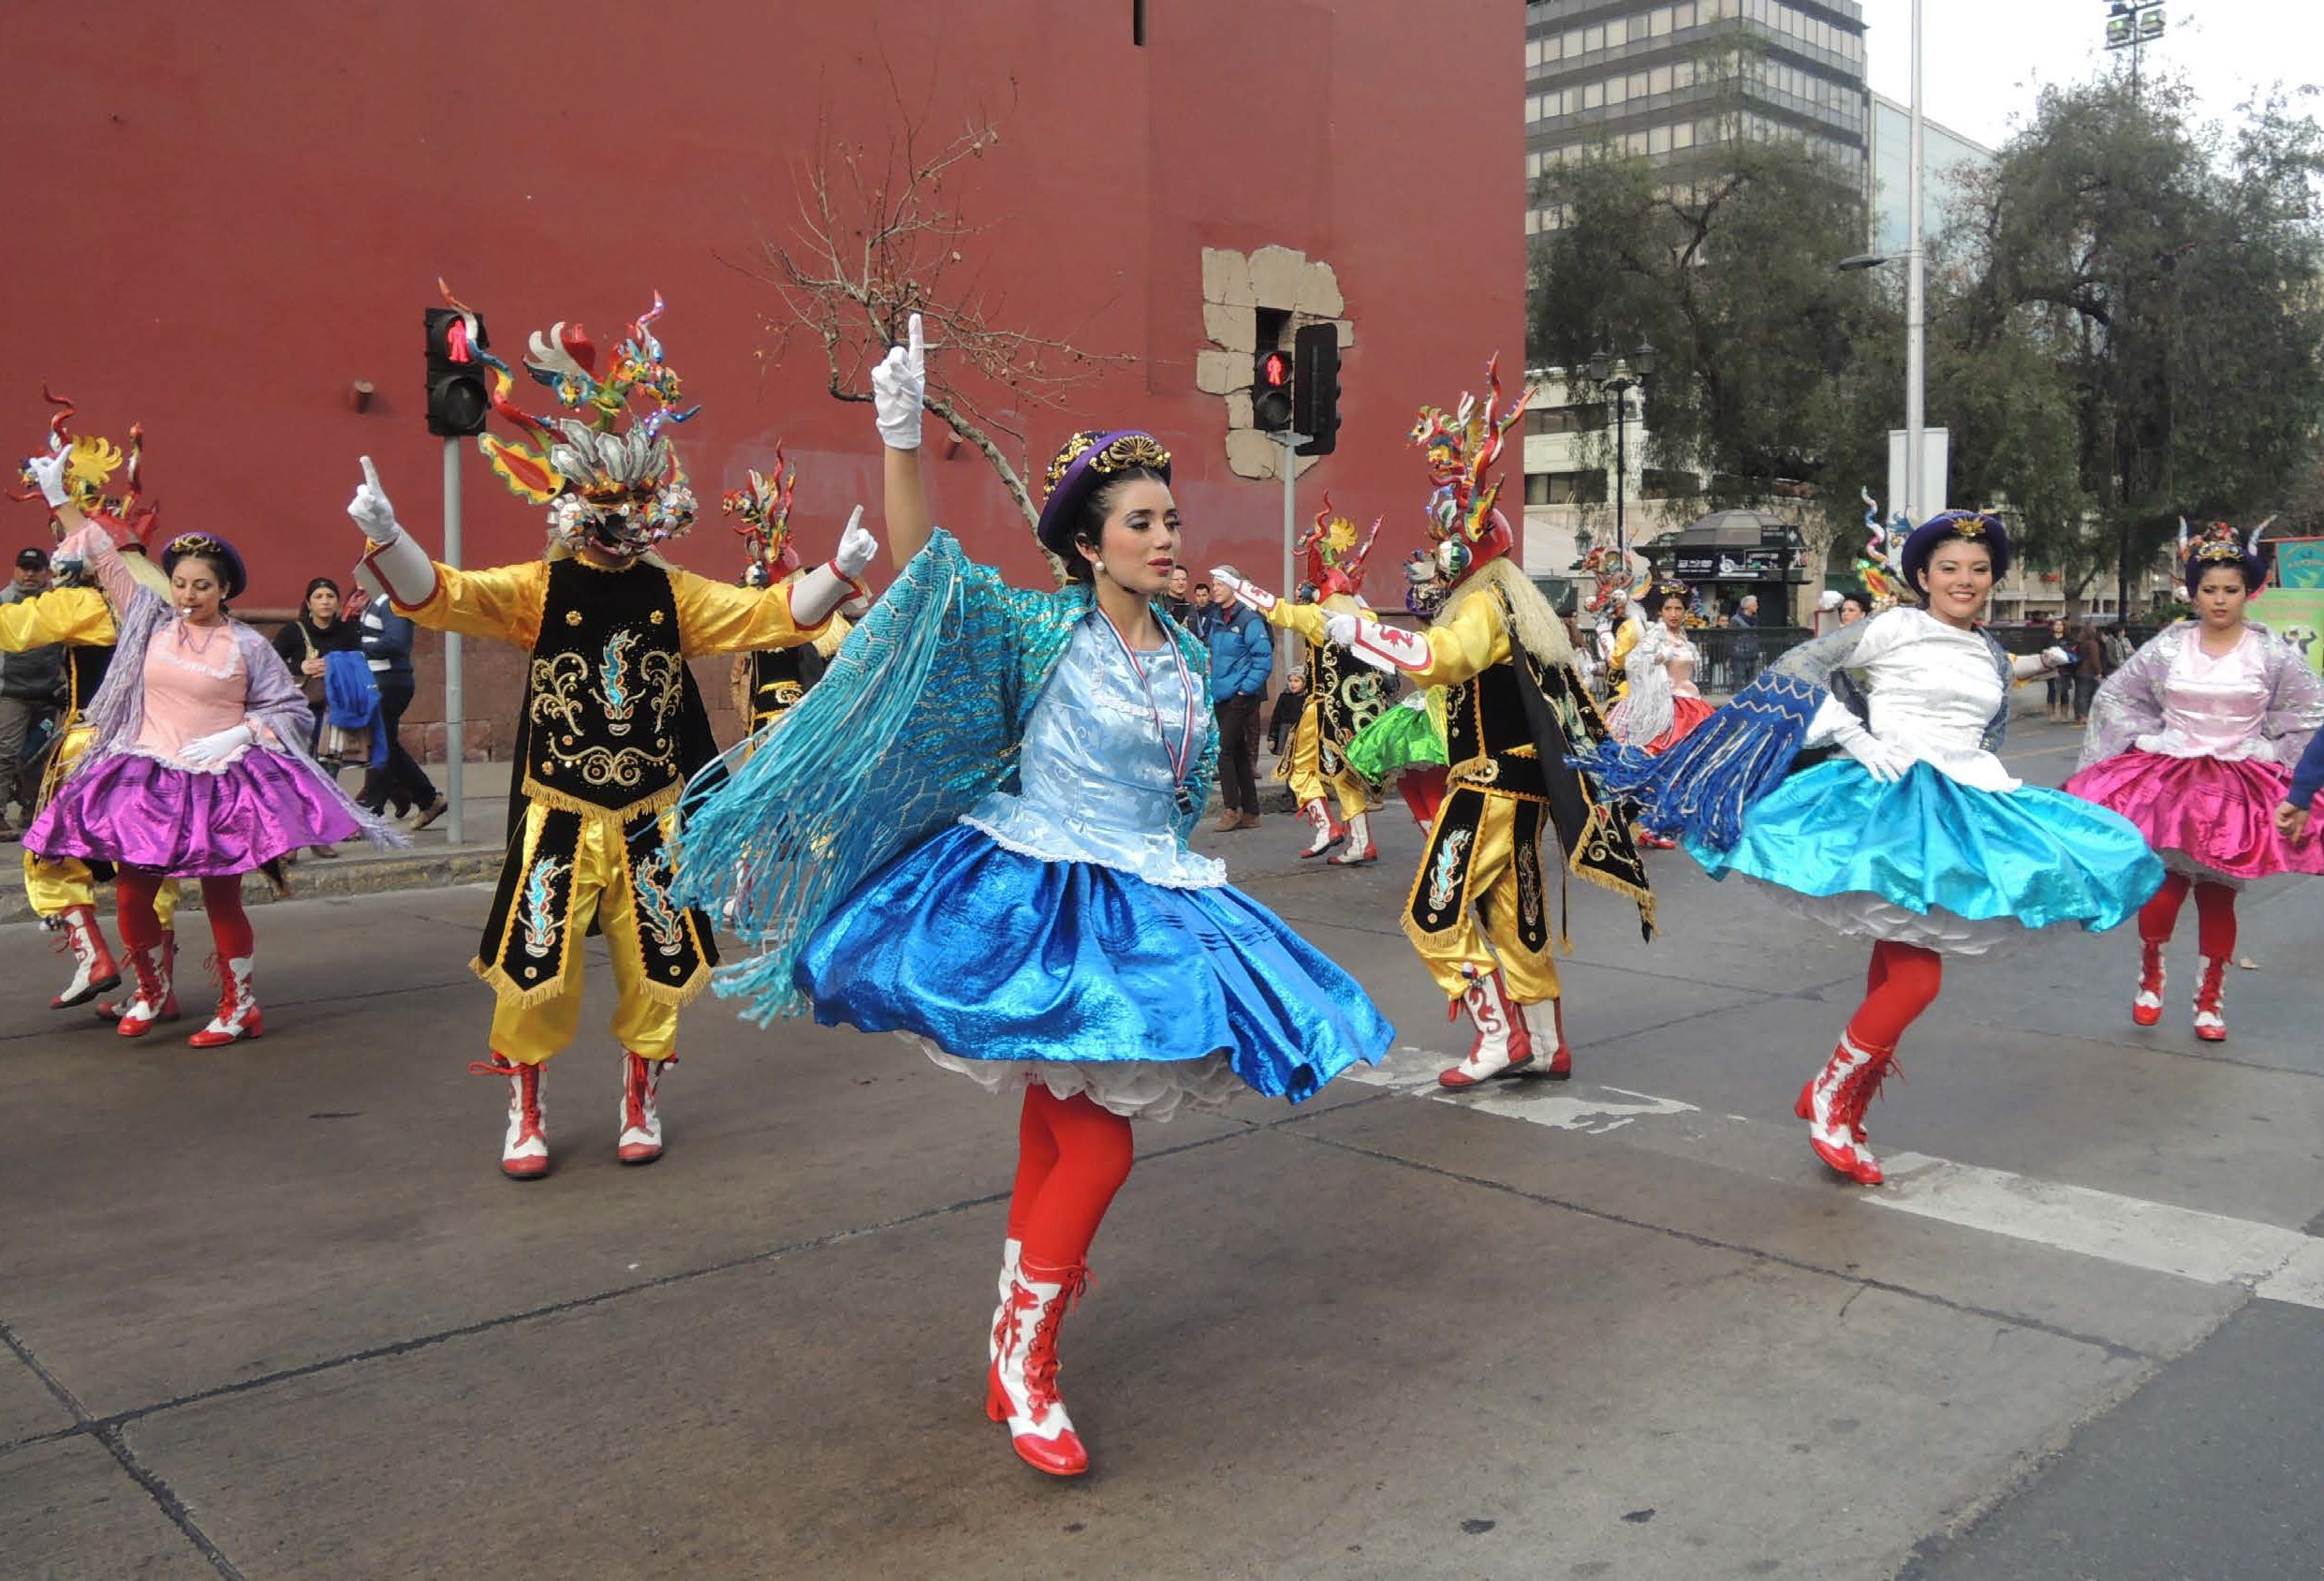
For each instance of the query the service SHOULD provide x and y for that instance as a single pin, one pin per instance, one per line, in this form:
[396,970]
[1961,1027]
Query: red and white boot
[1504,1044]
[1561,1065]
[95,969]
[156,999]
[2211,1020]
[1021,1387]
[1358,848]
[238,1014]
[1329,829]
[641,1114]
[1012,1250]
[1833,1103]
[2146,1005]
[524,1151]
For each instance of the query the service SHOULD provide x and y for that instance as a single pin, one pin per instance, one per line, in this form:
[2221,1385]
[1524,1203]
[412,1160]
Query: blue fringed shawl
[919,716]
[1703,787]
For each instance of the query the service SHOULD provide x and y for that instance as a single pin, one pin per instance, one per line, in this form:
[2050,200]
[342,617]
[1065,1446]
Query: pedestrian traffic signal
[1270,391]
[458,398]
[1316,388]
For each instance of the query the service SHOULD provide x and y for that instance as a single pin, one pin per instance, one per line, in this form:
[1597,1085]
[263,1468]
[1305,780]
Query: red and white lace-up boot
[95,969]
[524,1151]
[1833,1103]
[1504,1044]
[156,999]
[2210,990]
[642,1114]
[1329,829]
[1020,1387]
[1358,847]
[238,1014]
[1011,1249]
[2146,1005]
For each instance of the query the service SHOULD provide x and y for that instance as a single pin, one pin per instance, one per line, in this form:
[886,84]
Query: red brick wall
[221,227]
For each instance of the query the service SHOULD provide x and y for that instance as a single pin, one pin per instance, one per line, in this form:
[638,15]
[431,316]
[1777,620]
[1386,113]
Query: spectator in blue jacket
[387,639]
[1241,656]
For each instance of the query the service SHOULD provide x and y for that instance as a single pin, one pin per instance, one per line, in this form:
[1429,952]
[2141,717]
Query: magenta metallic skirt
[142,812]
[2202,815]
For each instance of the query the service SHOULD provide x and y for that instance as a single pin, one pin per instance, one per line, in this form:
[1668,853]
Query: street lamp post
[1602,365]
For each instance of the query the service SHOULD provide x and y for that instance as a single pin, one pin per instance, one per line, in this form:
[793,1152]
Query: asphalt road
[272,1311]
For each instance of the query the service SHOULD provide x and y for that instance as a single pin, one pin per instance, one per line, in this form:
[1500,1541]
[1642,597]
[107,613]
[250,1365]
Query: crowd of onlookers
[354,664]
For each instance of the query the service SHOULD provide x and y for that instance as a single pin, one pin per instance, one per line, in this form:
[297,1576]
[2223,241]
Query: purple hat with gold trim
[1968,526]
[1085,464]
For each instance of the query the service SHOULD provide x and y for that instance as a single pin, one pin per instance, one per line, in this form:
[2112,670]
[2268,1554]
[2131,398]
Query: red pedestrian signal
[1270,391]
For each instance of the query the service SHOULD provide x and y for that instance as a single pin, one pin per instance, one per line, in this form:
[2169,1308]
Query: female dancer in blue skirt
[1915,836]
[974,832]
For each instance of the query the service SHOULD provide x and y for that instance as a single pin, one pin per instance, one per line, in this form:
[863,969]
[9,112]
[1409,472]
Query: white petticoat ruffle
[1860,914]
[1137,1089]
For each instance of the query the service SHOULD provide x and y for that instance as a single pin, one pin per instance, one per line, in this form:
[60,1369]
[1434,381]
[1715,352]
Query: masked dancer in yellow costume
[612,724]
[1342,696]
[1515,710]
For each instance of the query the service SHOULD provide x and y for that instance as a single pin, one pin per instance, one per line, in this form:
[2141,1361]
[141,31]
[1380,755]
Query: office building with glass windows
[1946,158]
[1664,78]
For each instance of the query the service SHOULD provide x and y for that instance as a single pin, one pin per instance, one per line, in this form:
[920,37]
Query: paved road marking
[2281,1264]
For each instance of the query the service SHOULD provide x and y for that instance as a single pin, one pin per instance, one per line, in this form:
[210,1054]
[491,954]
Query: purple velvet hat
[208,546]
[1083,465]
[1968,527]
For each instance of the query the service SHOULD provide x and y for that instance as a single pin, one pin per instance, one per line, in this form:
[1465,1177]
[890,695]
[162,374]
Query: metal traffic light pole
[456,816]
[1290,443]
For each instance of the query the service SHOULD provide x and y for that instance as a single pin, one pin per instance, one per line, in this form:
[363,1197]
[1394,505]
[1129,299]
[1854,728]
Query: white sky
[1983,61]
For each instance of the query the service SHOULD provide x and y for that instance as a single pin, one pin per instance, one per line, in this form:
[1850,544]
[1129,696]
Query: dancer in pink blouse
[196,768]
[2193,741]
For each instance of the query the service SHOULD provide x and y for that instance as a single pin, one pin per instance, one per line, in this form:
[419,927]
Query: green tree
[2173,274]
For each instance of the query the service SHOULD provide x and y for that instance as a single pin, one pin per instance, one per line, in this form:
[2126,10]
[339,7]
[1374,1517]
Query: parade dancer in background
[1342,696]
[1662,703]
[74,613]
[611,723]
[1515,711]
[769,682]
[198,767]
[1915,836]
[2191,741]
[974,832]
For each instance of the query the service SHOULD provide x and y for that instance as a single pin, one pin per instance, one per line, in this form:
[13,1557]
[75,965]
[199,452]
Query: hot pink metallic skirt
[2204,816]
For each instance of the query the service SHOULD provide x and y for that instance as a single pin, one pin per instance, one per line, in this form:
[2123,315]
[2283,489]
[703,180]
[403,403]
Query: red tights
[1072,1156]
[1903,979]
[222,898]
[2215,915]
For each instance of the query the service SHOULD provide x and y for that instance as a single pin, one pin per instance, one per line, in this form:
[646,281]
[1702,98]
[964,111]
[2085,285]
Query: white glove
[1342,628]
[900,389]
[218,748]
[48,471]
[1835,726]
[2056,658]
[857,546]
[371,509]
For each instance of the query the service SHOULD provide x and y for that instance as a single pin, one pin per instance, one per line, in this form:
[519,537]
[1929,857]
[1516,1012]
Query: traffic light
[457,397]
[1316,388]
[1270,391]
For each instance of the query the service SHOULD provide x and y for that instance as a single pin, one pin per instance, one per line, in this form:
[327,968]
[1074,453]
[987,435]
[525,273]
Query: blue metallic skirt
[994,955]
[1927,847]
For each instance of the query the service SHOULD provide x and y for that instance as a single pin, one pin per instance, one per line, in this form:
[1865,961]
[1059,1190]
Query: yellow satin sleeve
[78,616]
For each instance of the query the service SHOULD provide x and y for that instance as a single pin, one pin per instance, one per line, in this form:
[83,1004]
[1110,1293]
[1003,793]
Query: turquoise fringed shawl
[918,717]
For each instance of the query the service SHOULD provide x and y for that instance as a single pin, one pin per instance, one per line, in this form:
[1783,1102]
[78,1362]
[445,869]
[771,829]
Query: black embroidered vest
[1348,696]
[85,672]
[1489,739]
[779,677]
[605,697]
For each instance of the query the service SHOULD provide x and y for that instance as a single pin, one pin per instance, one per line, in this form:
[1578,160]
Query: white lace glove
[899,389]
[371,511]
[1835,726]
[47,474]
[216,748]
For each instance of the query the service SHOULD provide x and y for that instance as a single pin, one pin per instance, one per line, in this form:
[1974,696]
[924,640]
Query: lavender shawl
[274,708]
[2129,703]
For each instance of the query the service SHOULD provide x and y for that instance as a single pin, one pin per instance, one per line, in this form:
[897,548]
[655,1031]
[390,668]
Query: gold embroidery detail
[572,617]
